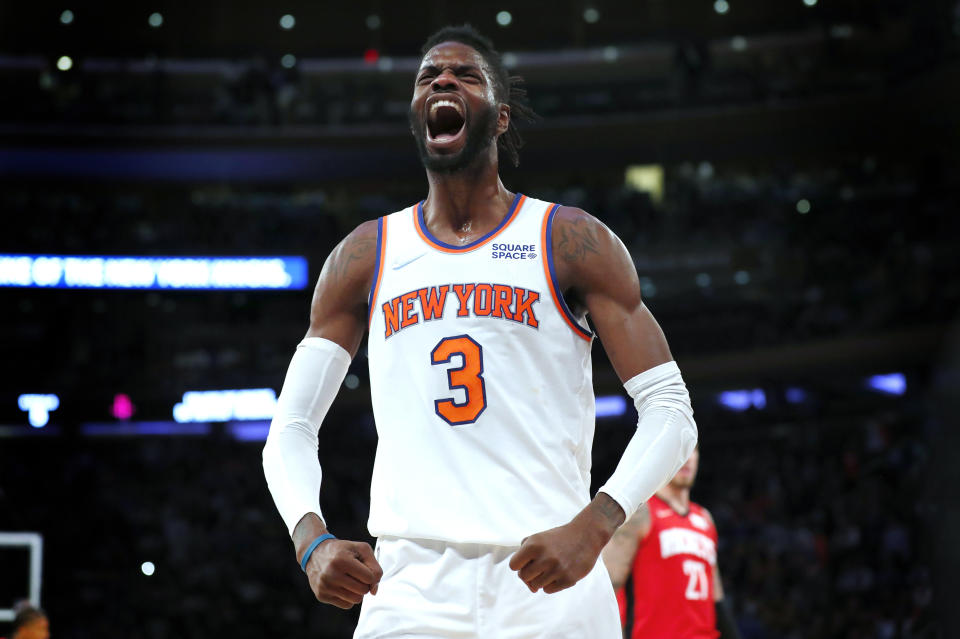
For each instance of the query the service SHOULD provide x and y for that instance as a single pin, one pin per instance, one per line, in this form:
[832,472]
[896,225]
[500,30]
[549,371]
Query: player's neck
[677,498]
[473,197]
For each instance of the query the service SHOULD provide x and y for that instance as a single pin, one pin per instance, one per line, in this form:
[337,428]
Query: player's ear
[503,118]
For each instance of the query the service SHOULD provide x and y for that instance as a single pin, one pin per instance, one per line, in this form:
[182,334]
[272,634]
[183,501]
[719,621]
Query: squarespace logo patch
[504,251]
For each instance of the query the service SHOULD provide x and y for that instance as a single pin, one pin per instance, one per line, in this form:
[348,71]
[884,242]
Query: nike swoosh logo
[398,265]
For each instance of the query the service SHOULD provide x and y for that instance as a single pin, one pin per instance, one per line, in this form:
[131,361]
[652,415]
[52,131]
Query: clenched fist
[341,572]
[556,559]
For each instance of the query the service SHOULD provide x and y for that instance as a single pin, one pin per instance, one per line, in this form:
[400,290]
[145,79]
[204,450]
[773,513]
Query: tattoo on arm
[637,524]
[620,552]
[353,250]
[577,239]
[610,510]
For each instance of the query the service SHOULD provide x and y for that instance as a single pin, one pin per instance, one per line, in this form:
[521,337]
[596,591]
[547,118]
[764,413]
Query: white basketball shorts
[440,590]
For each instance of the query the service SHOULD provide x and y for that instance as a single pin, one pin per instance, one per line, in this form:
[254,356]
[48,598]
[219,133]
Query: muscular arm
[717,580]
[619,553]
[338,311]
[717,583]
[340,572]
[726,624]
[595,271]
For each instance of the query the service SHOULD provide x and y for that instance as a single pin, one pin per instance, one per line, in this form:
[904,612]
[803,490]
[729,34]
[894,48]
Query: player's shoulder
[364,232]
[702,515]
[574,217]
[584,243]
[351,264]
[571,216]
[659,510]
[359,246]
[701,510]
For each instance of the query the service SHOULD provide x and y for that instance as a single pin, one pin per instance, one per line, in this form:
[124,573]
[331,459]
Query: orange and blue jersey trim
[546,241]
[420,224]
[378,275]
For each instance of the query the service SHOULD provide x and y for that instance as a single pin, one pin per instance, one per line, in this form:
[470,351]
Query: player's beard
[481,133]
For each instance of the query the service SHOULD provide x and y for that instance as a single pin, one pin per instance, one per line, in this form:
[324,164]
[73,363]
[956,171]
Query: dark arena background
[173,175]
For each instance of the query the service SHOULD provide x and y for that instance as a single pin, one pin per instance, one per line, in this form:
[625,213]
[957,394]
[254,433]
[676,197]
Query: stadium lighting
[803,206]
[113,272]
[611,405]
[122,407]
[610,54]
[38,408]
[148,568]
[741,400]
[226,405]
[66,17]
[249,431]
[591,15]
[721,6]
[64,63]
[738,43]
[646,178]
[373,22]
[504,18]
[810,3]
[288,61]
[647,287]
[703,280]
[144,429]
[889,384]
[287,21]
[796,395]
[741,277]
[155,20]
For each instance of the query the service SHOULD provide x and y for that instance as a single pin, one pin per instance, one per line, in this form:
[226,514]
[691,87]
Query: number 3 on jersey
[469,377]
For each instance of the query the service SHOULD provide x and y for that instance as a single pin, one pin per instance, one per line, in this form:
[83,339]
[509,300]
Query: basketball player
[663,563]
[475,301]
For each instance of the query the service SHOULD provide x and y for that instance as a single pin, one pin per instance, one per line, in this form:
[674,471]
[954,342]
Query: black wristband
[725,623]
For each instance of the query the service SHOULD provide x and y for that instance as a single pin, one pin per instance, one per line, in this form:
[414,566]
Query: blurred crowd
[732,257]
[823,530]
[822,525]
[283,91]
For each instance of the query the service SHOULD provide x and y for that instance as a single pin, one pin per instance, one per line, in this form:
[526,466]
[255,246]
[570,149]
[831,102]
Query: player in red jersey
[663,564]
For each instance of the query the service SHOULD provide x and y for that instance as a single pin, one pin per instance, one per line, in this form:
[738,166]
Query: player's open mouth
[445,123]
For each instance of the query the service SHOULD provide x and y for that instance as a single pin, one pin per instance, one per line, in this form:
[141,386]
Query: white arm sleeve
[665,438]
[290,461]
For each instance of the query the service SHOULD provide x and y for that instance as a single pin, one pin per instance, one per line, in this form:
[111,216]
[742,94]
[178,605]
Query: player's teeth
[439,103]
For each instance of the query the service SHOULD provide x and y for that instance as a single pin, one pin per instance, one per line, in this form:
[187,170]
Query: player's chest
[462,289]
[685,537]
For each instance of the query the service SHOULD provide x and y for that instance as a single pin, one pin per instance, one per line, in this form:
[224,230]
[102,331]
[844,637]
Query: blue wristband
[313,546]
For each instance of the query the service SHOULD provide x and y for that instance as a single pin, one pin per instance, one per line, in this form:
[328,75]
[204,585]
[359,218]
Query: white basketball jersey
[481,383]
